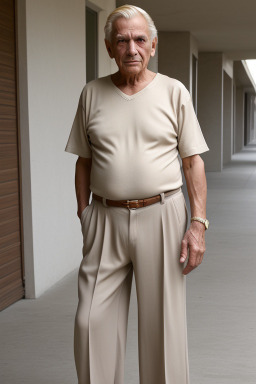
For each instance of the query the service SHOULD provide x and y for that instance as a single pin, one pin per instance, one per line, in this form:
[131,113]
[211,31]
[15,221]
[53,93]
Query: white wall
[52,72]
[228,66]
[153,62]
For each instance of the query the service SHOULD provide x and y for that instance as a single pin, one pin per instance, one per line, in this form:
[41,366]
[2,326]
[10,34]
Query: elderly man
[128,131]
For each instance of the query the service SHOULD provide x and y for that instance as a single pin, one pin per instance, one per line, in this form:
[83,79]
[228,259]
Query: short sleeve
[78,142]
[190,137]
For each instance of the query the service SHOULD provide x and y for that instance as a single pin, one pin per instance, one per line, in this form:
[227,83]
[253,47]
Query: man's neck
[131,84]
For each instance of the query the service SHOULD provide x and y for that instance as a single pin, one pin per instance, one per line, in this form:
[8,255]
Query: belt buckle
[136,202]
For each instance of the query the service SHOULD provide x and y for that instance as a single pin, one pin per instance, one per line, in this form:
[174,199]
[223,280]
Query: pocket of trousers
[84,213]
[186,209]
[180,209]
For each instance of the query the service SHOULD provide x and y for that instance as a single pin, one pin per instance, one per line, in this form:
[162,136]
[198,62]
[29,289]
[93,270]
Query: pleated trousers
[118,242]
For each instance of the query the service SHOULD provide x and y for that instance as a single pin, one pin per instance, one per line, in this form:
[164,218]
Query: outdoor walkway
[37,335]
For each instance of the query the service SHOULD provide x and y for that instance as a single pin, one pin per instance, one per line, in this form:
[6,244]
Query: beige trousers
[117,242]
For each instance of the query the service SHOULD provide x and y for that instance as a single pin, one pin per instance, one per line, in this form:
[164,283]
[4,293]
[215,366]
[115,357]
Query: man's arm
[194,238]
[82,183]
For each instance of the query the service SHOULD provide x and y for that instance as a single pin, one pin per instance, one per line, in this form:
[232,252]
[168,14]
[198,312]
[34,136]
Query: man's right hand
[82,183]
[79,211]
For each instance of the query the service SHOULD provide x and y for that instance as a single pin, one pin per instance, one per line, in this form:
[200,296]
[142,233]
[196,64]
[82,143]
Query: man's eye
[140,39]
[120,40]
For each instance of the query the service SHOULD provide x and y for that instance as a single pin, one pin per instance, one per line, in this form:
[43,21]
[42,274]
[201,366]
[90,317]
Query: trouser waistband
[135,203]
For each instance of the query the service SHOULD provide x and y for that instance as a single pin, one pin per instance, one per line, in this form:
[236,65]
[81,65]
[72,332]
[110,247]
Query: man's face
[131,46]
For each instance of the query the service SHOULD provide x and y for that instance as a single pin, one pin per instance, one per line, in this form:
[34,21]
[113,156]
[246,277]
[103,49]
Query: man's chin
[132,69]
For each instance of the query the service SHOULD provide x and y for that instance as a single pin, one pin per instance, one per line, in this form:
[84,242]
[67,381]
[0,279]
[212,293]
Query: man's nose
[131,48]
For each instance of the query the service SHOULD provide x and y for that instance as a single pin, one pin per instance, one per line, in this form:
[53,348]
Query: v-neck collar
[131,97]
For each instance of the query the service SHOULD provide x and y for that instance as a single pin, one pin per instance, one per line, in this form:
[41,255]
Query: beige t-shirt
[134,141]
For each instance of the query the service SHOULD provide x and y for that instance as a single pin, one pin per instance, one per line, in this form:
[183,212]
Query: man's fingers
[195,259]
[184,250]
[192,264]
[188,269]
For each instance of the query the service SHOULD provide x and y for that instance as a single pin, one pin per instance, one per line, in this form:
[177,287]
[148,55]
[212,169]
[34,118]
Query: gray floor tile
[37,335]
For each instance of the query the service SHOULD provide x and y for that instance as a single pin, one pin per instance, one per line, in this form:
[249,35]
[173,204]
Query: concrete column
[239,119]
[227,117]
[251,105]
[250,122]
[234,117]
[210,107]
[254,119]
[174,55]
[247,119]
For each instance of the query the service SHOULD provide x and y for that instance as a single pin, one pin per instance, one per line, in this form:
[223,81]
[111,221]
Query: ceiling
[227,26]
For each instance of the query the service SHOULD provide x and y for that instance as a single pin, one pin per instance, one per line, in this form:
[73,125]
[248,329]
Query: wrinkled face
[131,46]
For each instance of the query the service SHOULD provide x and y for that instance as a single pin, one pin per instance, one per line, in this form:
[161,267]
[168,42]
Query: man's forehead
[136,25]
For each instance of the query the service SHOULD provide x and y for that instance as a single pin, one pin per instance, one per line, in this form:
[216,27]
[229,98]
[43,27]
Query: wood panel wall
[11,281]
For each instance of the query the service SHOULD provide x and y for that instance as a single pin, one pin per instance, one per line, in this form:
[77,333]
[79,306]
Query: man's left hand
[193,244]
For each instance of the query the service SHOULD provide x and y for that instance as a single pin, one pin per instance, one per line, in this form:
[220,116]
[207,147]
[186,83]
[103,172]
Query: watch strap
[201,220]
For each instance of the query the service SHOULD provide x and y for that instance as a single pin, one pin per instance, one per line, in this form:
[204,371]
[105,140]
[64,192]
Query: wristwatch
[203,221]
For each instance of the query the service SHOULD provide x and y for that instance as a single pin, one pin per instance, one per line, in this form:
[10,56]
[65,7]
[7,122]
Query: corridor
[37,335]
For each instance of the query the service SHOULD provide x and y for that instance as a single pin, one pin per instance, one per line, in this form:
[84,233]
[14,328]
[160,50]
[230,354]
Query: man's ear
[153,46]
[109,48]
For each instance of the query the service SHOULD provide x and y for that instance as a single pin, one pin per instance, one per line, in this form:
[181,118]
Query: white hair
[128,11]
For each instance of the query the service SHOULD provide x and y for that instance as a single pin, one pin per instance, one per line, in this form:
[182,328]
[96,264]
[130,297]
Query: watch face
[206,224]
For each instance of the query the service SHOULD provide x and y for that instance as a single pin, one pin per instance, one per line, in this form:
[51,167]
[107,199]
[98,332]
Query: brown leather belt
[134,204]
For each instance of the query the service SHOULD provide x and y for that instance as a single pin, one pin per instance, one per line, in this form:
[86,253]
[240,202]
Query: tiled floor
[37,335]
